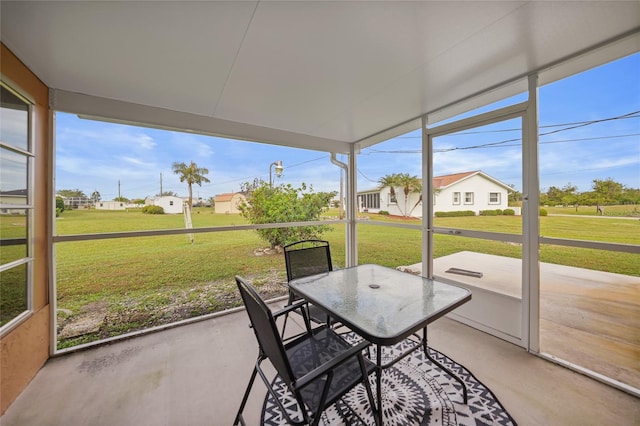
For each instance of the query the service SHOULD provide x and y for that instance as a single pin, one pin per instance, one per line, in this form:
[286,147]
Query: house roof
[441,182]
[311,74]
[444,181]
[226,197]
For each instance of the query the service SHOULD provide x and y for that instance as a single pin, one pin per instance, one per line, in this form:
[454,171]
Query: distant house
[228,203]
[170,204]
[76,202]
[474,191]
[111,205]
[16,197]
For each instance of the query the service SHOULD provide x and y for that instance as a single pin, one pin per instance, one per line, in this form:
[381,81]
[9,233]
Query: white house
[170,204]
[474,191]
[228,203]
[111,205]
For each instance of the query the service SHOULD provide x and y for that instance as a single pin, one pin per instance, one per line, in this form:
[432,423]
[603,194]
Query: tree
[607,191]
[95,196]
[59,205]
[390,181]
[569,195]
[121,199]
[167,194]
[191,174]
[284,203]
[407,185]
[515,196]
[71,193]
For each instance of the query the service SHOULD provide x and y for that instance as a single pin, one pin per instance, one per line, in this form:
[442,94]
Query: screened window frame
[28,207]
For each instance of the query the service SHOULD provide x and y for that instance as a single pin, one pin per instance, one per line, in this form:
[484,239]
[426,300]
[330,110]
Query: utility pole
[118,189]
[161,184]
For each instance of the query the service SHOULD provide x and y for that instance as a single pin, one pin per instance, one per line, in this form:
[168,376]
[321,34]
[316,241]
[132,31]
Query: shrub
[543,212]
[499,212]
[488,213]
[59,206]
[279,204]
[456,213]
[152,210]
[383,212]
[509,212]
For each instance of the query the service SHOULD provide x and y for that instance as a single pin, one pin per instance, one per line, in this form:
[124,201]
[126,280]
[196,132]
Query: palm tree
[407,183]
[192,174]
[390,181]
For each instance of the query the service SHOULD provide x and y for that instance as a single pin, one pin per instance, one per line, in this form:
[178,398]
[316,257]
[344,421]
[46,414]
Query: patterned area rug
[415,392]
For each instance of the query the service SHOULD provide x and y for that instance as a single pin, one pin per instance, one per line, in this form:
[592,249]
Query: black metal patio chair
[318,367]
[304,258]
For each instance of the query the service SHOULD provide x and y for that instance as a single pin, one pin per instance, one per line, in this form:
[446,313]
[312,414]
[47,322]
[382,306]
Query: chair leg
[239,419]
[286,316]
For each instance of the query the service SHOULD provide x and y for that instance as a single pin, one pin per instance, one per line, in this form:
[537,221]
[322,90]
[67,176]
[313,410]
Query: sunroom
[345,81]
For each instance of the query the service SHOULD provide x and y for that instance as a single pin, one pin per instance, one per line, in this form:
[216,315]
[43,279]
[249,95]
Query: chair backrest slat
[308,257]
[265,329]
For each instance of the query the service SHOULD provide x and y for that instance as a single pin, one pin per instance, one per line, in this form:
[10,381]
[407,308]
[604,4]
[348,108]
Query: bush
[383,212]
[499,212]
[456,213]
[279,204]
[509,212]
[488,213]
[152,210]
[59,206]
[543,212]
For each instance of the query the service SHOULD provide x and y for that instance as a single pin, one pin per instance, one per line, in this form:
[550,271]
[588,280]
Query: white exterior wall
[171,205]
[480,187]
[398,208]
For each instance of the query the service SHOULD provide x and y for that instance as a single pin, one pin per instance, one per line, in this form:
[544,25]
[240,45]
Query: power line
[245,179]
[569,126]
[493,145]
[634,114]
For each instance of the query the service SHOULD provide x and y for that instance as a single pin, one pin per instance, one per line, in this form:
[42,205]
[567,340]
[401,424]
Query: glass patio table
[383,306]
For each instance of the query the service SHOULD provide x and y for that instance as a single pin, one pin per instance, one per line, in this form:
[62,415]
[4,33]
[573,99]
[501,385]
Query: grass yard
[114,286]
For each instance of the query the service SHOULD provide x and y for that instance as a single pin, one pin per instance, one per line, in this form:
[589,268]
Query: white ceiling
[314,70]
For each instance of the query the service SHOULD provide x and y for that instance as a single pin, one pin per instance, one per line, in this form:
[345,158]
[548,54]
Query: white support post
[531,224]
[352,210]
[427,201]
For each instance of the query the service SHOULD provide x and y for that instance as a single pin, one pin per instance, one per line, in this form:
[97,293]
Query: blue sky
[93,155]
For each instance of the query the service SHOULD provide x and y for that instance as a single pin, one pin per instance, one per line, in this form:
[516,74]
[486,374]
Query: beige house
[228,203]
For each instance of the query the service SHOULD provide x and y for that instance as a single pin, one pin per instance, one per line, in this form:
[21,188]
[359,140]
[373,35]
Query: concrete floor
[589,318]
[196,375]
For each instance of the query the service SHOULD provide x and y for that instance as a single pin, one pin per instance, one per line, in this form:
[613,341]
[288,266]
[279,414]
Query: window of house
[392,199]
[370,201]
[494,198]
[16,159]
[170,203]
[456,198]
[468,197]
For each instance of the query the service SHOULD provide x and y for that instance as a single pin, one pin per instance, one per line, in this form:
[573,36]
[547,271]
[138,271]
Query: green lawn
[147,281]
